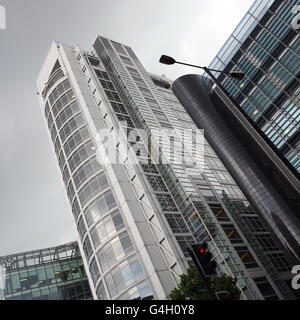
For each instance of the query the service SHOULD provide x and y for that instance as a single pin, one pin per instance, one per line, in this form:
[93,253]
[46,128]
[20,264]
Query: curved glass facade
[108,249]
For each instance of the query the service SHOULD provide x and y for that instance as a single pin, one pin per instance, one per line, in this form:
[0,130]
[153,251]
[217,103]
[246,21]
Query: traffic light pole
[202,274]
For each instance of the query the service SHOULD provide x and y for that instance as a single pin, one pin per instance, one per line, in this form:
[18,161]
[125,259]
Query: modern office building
[266,47]
[55,273]
[137,213]
[259,115]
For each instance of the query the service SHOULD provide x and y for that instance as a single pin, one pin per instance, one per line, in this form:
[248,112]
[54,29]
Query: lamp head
[237,75]
[167,60]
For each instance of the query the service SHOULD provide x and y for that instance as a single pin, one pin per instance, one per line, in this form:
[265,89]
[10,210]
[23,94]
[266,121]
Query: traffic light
[203,259]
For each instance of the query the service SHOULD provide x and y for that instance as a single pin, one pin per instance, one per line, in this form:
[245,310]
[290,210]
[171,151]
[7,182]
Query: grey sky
[35,211]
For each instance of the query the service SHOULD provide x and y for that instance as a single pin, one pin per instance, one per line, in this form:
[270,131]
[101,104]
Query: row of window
[101,74]
[123,276]
[66,113]
[90,168]
[66,175]
[115,250]
[62,87]
[81,154]
[99,207]
[107,85]
[118,107]
[113,96]
[87,248]
[108,227]
[166,202]
[61,102]
[43,276]
[79,290]
[75,140]
[71,191]
[93,188]
[157,183]
[177,223]
[141,291]
[71,126]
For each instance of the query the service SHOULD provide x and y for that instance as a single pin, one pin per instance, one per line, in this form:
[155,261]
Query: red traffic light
[203,248]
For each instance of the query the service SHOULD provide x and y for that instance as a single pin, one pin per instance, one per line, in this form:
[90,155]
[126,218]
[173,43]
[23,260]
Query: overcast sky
[34,210]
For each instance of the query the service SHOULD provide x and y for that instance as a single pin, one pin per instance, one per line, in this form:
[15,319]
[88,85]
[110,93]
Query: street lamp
[169,60]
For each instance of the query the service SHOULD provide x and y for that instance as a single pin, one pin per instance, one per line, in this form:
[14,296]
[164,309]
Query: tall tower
[135,209]
[266,47]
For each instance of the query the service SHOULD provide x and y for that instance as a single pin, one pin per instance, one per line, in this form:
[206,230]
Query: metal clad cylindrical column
[192,92]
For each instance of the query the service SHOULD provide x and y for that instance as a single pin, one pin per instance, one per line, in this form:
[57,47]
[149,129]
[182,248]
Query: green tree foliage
[191,286]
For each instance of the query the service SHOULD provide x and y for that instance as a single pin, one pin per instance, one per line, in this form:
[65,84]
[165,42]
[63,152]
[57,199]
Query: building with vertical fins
[55,273]
[253,125]
[136,216]
[266,47]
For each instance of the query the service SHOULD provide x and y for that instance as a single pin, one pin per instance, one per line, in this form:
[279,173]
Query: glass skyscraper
[266,47]
[136,217]
[55,273]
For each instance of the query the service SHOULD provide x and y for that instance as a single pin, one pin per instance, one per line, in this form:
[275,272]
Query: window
[219,212]
[254,223]
[115,250]
[66,113]
[149,168]
[81,154]
[160,116]
[71,191]
[73,124]
[101,293]
[166,202]
[133,72]
[280,262]
[94,270]
[93,61]
[119,48]
[113,96]
[63,86]
[107,228]
[92,188]
[139,82]
[118,107]
[87,248]
[146,92]
[75,208]
[124,275]
[157,183]
[90,167]
[126,60]
[101,74]
[265,288]
[232,233]
[75,140]
[206,192]
[246,257]
[81,228]
[99,207]
[61,102]
[267,243]
[184,242]
[177,223]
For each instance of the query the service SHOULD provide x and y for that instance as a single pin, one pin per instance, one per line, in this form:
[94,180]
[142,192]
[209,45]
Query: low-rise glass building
[55,273]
